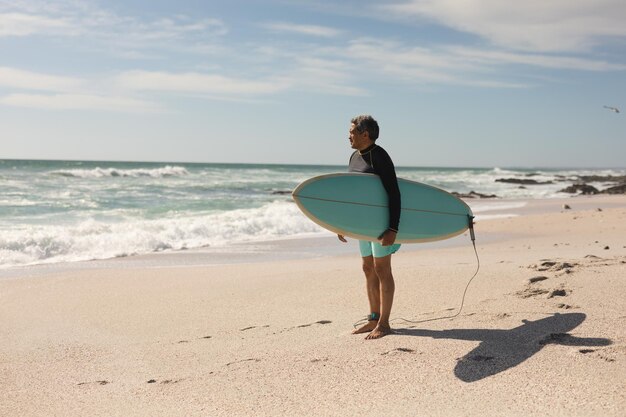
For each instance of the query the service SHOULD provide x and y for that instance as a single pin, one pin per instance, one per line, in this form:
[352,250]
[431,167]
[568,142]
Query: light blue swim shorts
[368,248]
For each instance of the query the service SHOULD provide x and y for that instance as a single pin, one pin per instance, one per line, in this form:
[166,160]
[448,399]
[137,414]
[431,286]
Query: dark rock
[618,189]
[473,194]
[522,181]
[537,279]
[281,192]
[582,188]
[566,207]
[606,248]
[603,178]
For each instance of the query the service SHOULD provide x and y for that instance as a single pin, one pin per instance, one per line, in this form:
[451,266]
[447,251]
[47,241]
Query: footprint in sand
[311,324]
[530,292]
[553,266]
[565,306]
[165,381]
[242,361]
[322,322]
[171,381]
[604,354]
[103,382]
[557,338]
[254,327]
[537,279]
[398,350]
[558,293]
[188,341]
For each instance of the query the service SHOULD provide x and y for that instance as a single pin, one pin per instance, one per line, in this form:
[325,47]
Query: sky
[453,83]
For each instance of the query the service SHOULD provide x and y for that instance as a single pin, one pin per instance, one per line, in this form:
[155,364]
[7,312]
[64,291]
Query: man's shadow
[500,350]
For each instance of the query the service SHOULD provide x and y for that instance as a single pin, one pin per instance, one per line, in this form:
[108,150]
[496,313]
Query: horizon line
[305,164]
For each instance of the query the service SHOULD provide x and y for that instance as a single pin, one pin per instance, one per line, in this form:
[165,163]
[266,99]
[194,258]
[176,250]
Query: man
[371,158]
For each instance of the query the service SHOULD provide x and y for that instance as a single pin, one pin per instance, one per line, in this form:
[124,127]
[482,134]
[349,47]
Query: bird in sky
[613,109]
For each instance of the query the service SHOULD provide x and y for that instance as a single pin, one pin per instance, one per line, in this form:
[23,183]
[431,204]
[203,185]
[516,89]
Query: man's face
[358,140]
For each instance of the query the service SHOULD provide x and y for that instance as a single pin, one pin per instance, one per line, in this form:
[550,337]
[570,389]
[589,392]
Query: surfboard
[355,205]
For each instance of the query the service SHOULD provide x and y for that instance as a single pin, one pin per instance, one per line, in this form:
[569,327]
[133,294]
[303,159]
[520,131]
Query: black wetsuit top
[375,160]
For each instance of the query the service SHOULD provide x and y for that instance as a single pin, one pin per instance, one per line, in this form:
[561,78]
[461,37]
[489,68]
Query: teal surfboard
[355,205]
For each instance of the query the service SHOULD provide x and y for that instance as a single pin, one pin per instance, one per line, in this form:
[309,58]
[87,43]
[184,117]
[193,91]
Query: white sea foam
[93,239]
[166,171]
[55,211]
[493,206]
[17,202]
[480,217]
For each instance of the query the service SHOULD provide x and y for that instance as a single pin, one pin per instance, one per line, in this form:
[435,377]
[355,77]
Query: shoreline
[312,247]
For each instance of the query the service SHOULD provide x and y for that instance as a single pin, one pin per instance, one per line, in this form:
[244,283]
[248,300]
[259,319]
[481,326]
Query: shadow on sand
[500,350]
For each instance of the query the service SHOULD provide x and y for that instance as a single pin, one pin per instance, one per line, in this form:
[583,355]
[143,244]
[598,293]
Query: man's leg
[373,293]
[382,268]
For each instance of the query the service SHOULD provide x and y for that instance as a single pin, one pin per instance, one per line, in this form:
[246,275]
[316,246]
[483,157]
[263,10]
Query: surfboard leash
[470,220]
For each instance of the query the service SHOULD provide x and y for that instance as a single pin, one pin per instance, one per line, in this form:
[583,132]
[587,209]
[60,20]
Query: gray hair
[366,123]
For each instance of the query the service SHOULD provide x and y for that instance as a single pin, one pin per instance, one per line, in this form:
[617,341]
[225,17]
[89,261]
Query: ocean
[68,211]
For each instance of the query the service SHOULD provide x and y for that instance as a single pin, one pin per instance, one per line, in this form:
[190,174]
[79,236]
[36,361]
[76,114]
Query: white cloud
[538,25]
[66,93]
[316,69]
[311,30]
[71,19]
[415,64]
[323,75]
[338,67]
[20,24]
[546,61]
[164,29]
[28,80]
[456,65]
[80,102]
[197,83]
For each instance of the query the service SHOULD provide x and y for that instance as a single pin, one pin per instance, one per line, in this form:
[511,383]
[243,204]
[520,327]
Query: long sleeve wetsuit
[375,160]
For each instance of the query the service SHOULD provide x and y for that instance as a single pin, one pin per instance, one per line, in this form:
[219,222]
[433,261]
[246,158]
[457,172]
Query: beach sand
[273,338]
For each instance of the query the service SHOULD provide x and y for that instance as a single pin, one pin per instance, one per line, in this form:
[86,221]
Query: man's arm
[386,171]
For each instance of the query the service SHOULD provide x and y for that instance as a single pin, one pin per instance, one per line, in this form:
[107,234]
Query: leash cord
[462,299]
[473,237]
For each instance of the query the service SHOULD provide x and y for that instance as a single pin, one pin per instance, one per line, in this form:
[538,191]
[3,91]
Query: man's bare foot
[379,332]
[366,328]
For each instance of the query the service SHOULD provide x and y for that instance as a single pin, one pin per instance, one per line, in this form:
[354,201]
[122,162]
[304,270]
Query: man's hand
[387,238]
[343,239]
